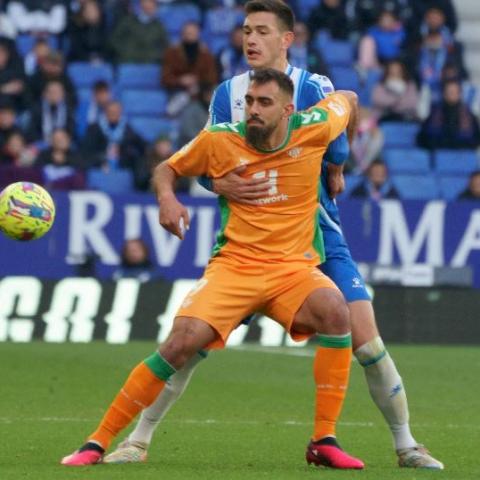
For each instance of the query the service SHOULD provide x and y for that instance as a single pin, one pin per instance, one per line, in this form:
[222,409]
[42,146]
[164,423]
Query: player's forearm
[163,181]
[352,125]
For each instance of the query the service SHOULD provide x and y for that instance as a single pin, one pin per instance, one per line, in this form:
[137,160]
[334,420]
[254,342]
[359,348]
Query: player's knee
[178,349]
[337,318]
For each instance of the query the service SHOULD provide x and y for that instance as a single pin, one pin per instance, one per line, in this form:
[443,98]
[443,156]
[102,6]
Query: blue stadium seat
[407,160]
[365,93]
[151,128]
[221,21]
[305,7]
[345,78]
[25,42]
[175,16]
[131,75]
[416,187]
[336,52]
[400,134]
[141,102]
[114,181]
[84,75]
[452,186]
[216,43]
[460,162]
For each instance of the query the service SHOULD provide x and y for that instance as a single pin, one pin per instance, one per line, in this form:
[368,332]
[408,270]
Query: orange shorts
[229,292]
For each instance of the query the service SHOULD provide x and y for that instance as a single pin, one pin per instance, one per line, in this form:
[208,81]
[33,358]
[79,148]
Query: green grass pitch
[247,414]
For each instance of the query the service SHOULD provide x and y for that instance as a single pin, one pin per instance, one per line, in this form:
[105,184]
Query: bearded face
[257,132]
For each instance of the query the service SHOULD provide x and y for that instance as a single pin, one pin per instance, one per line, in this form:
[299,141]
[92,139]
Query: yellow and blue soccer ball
[27,211]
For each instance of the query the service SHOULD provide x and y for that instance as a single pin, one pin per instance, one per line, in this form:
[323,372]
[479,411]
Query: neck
[277,137]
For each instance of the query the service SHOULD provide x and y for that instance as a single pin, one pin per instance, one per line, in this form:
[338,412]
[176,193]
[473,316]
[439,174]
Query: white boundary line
[213,421]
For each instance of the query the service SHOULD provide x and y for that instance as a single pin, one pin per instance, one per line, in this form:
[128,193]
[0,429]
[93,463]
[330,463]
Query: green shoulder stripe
[309,117]
[237,127]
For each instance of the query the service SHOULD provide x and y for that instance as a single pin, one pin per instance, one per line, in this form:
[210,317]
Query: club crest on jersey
[238,103]
[294,152]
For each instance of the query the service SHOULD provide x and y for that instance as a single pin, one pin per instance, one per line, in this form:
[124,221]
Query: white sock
[386,389]
[151,416]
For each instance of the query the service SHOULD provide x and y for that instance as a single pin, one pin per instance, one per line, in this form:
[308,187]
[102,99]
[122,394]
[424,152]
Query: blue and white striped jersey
[228,105]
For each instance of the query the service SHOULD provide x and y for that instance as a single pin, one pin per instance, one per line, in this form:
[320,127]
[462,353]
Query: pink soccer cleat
[331,455]
[85,457]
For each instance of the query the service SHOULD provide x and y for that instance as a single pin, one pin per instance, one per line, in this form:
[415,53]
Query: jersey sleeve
[338,110]
[195,158]
[219,110]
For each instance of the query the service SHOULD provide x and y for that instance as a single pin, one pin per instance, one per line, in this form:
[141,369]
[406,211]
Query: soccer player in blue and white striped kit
[268,33]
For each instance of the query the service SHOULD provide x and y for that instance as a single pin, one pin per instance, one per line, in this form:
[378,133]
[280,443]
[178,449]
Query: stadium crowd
[93,94]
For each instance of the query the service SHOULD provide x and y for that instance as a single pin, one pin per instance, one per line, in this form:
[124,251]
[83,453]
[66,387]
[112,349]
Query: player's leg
[224,295]
[312,304]
[144,384]
[133,449]
[384,382]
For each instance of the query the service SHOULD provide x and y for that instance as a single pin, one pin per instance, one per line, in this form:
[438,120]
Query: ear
[287,40]
[288,109]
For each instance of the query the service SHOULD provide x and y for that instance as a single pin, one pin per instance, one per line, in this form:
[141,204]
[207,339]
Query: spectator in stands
[450,72]
[396,96]
[472,192]
[16,152]
[329,16]
[159,151]
[135,262]
[368,142]
[12,78]
[364,13]
[450,124]
[51,113]
[382,42]
[101,97]
[140,37]
[302,55]
[195,115]
[436,52]
[38,16]
[111,143]
[231,60]
[60,163]
[40,51]
[52,68]
[7,121]
[422,20]
[87,33]
[187,65]
[376,185]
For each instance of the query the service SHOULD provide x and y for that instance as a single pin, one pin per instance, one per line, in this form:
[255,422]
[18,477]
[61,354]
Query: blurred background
[94,94]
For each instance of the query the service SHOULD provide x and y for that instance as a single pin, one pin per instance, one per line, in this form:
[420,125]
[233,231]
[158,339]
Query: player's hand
[242,190]
[174,217]
[336,184]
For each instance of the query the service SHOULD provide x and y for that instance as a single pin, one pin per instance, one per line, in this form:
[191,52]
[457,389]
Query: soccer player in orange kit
[265,258]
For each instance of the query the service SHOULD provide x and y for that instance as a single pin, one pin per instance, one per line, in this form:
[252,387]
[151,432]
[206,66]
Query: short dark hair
[279,8]
[266,75]
[100,85]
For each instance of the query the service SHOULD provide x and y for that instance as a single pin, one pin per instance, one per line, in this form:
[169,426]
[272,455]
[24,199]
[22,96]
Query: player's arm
[353,120]
[232,185]
[173,215]
[343,112]
[195,158]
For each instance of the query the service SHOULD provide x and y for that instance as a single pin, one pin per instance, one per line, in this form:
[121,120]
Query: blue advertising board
[92,225]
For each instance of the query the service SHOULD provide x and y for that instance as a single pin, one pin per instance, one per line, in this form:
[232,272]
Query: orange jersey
[284,224]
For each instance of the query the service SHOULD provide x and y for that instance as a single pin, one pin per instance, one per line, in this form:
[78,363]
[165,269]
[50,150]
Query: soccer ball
[27,211]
